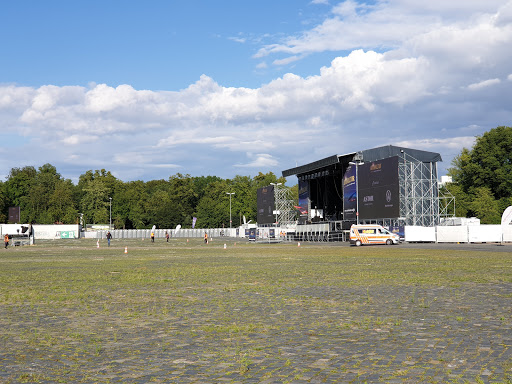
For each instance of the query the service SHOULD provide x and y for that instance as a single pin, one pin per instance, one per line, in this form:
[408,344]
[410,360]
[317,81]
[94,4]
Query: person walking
[205,238]
[109,236]
[6,240]
[167,236]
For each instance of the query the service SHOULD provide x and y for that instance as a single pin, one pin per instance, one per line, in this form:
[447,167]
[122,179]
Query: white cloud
[441,145]
[286,61]
[385,25]
[79,139]
[238,39]
[483,84]
[261,160]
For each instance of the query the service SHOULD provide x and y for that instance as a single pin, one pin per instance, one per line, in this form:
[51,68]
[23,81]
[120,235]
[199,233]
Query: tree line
[45,197]
[482,177]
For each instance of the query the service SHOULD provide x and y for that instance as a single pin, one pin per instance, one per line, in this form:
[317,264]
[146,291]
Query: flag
[194,219]
[303,211]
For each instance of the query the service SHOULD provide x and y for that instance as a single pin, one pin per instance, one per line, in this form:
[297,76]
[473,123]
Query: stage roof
[312,166]
[374,154]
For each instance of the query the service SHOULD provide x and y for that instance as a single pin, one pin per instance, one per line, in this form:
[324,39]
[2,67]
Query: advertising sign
[350,194]
[379,189]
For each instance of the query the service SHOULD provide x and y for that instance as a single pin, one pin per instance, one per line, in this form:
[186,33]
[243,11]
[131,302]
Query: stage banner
[379,189]
[350,194]
[303,197]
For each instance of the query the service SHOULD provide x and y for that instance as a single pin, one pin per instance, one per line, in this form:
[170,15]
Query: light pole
[110,220]
[230,193]
[275,198]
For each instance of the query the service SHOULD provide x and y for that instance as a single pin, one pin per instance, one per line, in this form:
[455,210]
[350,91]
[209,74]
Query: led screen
[379,189]
[265,203]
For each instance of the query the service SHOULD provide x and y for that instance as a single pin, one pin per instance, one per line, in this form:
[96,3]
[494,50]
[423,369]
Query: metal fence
[159,233]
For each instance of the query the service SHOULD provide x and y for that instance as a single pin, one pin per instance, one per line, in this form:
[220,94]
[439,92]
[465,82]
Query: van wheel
[389,242]
[358,243]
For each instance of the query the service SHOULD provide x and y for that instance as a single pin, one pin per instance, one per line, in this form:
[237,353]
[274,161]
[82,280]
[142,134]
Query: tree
[3,203]
[243,199]
[18,186]
[160,210]
[487,164]
[129,202]
[484,175]
[61,206]
[213,209]
[485,206]
[95,203]
[183,197]
[38,198]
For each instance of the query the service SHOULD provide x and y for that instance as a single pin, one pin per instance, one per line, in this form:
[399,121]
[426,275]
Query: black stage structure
[389,185]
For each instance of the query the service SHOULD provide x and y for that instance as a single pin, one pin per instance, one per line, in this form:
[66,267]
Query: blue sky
[157,45]
[150,89]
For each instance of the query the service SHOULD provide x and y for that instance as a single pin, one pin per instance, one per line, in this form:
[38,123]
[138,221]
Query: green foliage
[487,164]
[483,176]
[95,202]
[485,206]
[3,203]
[462,201]
[128,206]
[18,186]
[61,204]
[213,208]
[45,197]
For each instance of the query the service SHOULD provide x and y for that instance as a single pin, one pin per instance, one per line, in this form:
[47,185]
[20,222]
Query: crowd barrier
[159,233]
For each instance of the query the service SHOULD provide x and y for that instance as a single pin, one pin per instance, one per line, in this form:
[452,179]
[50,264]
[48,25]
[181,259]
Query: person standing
[205,238]
[152,237]
[6,240]
[109,236]
[167,236]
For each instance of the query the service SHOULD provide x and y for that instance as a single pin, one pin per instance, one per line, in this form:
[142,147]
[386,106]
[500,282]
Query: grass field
[187,312]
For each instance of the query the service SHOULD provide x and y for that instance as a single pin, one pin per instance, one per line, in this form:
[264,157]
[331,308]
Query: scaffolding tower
[419,192]
[286,214]
[446,204]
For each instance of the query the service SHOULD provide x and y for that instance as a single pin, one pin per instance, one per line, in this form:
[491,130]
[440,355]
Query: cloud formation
[430,76]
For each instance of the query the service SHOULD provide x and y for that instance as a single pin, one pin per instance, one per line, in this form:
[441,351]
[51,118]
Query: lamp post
[275,198]
[230,193]
[110,220]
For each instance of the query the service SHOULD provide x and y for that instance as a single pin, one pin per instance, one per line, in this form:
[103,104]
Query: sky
[150,89]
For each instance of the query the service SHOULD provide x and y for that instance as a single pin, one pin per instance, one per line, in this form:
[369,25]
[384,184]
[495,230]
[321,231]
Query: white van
[372,234]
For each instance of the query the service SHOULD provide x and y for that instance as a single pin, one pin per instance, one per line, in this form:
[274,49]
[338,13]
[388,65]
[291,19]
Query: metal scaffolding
[285,212]
[446,204]
[419,192]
